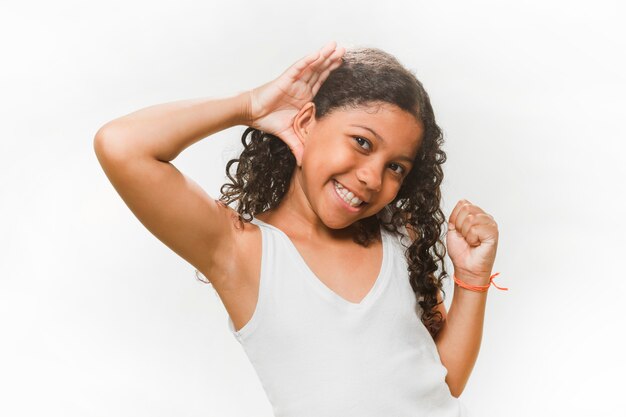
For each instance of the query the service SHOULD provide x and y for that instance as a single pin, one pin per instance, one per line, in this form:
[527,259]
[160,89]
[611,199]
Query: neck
[295,216]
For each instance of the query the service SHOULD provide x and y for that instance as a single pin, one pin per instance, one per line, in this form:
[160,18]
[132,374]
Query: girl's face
[367,151]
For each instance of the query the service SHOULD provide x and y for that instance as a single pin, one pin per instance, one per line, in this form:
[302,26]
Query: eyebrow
[403,157]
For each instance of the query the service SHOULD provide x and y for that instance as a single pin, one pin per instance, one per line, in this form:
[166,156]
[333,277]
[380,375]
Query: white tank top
[319,355]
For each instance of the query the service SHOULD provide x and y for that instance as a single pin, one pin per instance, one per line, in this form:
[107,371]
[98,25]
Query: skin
[354,156]
[472,241]
[135,152]
[472,237]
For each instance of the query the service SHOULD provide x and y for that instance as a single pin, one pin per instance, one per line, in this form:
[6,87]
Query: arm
[134,152]
[471,242]
[161,132]
[458,341]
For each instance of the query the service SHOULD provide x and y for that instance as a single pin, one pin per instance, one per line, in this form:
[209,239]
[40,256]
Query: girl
[327,268]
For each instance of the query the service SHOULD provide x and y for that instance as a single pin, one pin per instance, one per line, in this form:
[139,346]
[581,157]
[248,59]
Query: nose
[370,176]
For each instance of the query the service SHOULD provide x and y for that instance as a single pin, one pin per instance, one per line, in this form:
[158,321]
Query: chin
[338,224]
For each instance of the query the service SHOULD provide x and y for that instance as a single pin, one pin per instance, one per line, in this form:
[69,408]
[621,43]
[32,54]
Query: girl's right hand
[273,106]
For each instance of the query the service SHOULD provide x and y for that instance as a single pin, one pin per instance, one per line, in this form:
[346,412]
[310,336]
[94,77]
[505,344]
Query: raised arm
[134,152]
[472,241]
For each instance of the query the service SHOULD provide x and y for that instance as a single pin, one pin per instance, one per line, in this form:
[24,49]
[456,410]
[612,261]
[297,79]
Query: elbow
[109,144]
[99,143]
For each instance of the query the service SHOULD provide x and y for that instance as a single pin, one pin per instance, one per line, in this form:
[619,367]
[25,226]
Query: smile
[347,196]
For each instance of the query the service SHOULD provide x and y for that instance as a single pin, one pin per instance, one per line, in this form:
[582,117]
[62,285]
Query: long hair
[366,76]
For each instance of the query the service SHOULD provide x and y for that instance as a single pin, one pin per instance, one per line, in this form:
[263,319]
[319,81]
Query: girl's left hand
[472,242]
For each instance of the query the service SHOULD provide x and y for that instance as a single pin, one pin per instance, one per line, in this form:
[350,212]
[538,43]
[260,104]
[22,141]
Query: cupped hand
[274,105]
[472,242]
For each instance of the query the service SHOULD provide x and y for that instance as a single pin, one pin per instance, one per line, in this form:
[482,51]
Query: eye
[401,169]
[356,138]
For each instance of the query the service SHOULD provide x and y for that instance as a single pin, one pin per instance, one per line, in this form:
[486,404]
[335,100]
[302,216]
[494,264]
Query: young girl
[328,266]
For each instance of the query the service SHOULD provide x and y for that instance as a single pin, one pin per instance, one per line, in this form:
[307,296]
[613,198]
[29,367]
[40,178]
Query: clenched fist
[472,242]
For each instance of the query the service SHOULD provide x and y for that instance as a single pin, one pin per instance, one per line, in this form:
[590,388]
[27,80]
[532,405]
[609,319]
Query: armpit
[235,217]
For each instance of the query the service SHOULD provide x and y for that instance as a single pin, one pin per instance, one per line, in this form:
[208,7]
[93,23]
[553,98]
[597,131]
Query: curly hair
[366,76]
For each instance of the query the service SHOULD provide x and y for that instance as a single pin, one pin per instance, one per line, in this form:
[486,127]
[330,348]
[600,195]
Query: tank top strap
[259,222]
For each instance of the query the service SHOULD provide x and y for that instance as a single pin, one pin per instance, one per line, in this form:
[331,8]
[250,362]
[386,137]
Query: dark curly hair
[367,76]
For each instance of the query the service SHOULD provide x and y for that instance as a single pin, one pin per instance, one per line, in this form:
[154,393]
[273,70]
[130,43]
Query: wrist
[472,279]
[474,285]
[244,115]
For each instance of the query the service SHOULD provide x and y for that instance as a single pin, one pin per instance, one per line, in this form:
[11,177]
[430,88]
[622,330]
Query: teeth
[348,196]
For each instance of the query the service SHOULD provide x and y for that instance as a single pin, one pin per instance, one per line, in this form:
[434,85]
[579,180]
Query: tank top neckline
[323,289]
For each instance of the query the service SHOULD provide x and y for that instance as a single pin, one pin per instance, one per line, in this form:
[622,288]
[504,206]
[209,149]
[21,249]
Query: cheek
[391,191]
[324,157]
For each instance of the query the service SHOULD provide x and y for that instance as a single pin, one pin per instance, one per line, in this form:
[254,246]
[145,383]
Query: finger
[466,210]
[455,213]
[467,214]
[320,64]
[328,49]
[480,233]
[312,71]
[300,65]
[330,58]
[323,76]
[472,219]
[332,63]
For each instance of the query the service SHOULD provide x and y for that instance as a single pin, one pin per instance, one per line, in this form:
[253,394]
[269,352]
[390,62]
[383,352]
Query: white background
[100,319]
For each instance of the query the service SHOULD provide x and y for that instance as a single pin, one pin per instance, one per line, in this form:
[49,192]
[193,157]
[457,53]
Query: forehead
[389,123]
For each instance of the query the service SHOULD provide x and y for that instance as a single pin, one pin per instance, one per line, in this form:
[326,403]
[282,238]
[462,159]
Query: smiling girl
[331,267]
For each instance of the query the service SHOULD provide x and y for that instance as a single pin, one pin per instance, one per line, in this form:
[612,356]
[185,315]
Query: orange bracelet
[479,288]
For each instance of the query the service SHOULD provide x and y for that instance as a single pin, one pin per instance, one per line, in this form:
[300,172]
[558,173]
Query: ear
[304,122]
